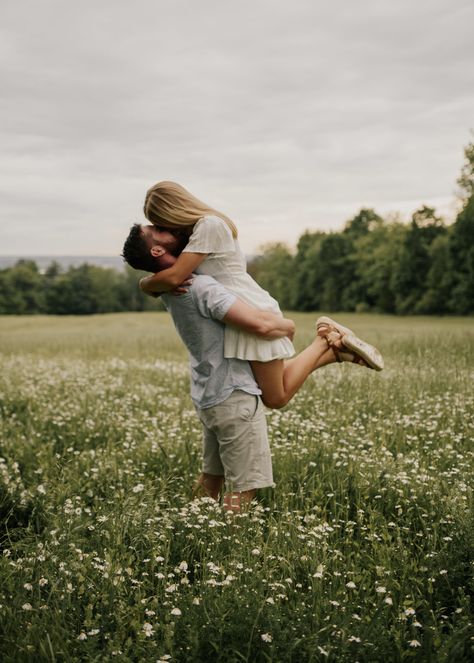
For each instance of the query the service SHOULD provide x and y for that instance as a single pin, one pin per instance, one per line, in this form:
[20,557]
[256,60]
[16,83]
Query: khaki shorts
[235,442]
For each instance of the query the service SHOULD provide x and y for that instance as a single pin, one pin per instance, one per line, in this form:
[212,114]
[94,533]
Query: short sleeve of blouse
[210,235]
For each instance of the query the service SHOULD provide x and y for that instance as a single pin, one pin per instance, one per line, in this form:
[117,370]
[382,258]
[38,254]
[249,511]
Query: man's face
[172,241]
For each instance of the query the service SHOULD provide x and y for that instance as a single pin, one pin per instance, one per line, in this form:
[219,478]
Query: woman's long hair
[168,204]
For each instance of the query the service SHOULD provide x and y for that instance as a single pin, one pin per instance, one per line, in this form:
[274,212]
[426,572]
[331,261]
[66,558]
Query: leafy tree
[21,288]
[274,271]
[462,241]
[364,222]
[409,281]
[307,279]
[466,178]
[376,255]
[131,297]
[438,287]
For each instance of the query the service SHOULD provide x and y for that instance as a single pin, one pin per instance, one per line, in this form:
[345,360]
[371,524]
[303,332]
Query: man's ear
[157,251]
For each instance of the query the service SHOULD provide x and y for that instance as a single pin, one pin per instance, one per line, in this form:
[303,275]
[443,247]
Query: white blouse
[226,263]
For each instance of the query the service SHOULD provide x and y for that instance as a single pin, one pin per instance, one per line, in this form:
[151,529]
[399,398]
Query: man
[227,398]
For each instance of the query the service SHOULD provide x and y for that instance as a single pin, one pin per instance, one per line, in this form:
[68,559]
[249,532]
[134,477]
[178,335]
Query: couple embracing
[240,345]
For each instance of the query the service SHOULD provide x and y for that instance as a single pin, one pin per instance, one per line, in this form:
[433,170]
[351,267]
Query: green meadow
[363,551]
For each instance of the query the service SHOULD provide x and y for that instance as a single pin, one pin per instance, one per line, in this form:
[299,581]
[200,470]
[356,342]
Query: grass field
[363,551]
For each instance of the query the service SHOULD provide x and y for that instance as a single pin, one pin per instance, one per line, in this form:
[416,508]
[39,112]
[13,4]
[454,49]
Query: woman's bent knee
[274,402]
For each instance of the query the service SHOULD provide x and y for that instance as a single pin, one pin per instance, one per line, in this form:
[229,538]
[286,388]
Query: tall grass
[363,552]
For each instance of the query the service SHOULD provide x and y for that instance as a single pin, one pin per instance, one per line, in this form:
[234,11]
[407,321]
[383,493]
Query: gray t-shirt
[197,316]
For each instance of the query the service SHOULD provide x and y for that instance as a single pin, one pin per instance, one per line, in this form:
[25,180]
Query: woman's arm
[170,278]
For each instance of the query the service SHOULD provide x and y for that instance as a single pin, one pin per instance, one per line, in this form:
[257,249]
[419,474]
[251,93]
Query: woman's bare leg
[280,380]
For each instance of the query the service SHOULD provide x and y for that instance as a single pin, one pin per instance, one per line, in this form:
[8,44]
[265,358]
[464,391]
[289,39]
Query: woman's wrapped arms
[172,277]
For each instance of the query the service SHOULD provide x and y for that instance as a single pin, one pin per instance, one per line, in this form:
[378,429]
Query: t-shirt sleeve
[210,235]
[212,299]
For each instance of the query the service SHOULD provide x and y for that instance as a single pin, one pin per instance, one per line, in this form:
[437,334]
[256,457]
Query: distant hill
[114,262]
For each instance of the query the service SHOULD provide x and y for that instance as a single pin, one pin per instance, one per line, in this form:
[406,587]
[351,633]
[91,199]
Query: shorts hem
[238,489]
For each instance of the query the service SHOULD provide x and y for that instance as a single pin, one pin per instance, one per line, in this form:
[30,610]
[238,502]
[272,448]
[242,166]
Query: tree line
[373,264]
[81,290]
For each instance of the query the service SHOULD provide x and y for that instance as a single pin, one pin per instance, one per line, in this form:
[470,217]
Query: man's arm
[260,323]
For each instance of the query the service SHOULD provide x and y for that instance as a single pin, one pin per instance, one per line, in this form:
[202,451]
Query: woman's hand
[183,288]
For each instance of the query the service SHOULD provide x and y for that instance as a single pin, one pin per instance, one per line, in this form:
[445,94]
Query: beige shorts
[235,442]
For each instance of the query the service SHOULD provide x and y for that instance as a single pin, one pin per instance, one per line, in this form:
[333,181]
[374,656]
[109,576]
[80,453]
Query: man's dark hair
[136,251]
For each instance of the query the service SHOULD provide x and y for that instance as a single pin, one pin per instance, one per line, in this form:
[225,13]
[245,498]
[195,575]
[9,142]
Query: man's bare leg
[209,484]
[236,502]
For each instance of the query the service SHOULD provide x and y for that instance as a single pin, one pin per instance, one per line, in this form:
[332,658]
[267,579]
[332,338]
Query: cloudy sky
[285,115]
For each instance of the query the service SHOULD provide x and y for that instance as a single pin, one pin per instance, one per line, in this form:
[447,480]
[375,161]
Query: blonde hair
[169,204]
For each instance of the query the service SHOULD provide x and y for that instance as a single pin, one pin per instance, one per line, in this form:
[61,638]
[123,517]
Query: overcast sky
[286,115]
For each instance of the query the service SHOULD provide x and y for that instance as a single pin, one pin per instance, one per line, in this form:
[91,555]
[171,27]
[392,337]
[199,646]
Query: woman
[213,249]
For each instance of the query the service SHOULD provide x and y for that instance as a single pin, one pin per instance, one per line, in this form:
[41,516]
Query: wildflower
[42,582]
[213,568]
[93,631]
[354,638]
[443,572]
[322,651]
[409,611]
[350,585]
[82,636]
[271,600]
[388,600]
[183,567]
[266,637]
[148,629]
[196,601]
[177,612]
[256,551]
[28,586]
[414,643]
[27,606]
[41,489]
[138,488]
